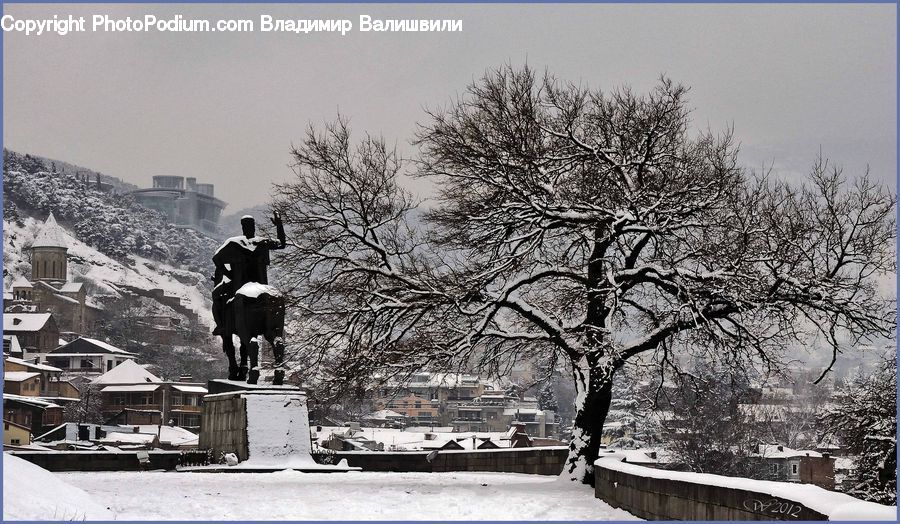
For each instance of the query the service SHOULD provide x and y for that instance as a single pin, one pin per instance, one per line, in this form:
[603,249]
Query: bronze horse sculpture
[245,305]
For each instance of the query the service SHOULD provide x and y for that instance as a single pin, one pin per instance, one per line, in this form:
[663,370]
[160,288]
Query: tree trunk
[594,389]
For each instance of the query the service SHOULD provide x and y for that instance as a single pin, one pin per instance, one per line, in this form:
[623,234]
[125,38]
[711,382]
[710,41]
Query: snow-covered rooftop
[35,401]
[18,376]
[128,372]
[51,235]
[384,414]
[131,388]
[397,439]
[71,287]
[190,389]
[774,451]
[169,434]
[21,282]
[24,321]
[13,342]
[88,346]
[32,365]
[130,438]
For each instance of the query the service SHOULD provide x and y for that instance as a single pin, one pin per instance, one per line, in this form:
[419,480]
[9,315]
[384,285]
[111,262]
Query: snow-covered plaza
[290,495]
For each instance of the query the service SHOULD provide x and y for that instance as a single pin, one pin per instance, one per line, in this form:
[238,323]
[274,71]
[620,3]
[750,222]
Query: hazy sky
[225,107]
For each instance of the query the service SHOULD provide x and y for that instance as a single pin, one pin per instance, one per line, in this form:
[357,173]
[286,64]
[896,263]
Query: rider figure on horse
[243,302]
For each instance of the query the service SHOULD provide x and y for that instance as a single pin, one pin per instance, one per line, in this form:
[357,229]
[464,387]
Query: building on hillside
[129,394]
[49,289]
[88,356]
[11,347]
[35,332]
[498,411]
[52,385]
[789,465]
[413,408]
[465,402]
[22,383]
[184,202]
[35,413]
[15,434]
[385,418]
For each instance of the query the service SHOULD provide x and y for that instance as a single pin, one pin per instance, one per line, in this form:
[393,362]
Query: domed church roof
[51,235]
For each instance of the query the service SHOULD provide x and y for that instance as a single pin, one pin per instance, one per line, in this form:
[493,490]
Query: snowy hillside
[112,223]
[102,274]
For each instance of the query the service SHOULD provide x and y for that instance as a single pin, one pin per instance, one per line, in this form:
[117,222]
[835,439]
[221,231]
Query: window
[774,468]
[794,468]
[176,399]
[86,363]
[14,441]
[118,400]
[109,365]
[146,398]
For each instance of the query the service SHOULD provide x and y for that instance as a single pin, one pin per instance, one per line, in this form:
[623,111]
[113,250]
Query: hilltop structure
[185,202]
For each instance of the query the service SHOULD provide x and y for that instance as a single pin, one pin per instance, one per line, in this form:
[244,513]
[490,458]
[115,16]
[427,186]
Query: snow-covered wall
[656,494]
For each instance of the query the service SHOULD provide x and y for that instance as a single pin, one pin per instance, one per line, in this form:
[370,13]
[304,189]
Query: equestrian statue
[245,305]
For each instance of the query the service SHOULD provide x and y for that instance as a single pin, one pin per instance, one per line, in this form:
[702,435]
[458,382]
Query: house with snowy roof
[38,414]
[88,356]
[22,383]
[52,385]
[35,332]
[784,464]
[12,348]
[48,288]
[130,394]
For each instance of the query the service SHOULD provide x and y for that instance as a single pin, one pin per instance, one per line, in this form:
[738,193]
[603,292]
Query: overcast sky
[225,108]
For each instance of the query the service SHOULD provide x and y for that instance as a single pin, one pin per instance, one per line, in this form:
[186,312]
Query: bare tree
[88,409]
[708,432]
[592,227]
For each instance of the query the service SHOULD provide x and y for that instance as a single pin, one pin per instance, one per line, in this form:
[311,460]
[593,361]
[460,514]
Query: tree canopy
[578,226]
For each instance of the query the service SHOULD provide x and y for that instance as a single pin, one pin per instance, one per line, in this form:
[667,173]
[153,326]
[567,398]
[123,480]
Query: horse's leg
[253,350]
[277,344]
[242,369]
[274,335]
[228,347]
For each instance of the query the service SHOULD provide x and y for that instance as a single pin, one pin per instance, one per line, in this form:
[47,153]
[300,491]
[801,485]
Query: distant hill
[64,167]
[112,223]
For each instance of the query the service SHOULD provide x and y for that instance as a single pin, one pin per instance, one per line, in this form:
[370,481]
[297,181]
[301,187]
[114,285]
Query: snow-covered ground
[33,493]
[290,495]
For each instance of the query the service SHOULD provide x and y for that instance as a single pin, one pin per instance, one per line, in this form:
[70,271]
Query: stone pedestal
[266,427]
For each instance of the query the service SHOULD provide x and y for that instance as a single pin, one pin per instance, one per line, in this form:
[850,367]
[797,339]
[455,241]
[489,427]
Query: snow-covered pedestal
[268,430]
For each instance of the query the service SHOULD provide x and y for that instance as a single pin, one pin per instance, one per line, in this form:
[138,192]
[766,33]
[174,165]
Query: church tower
[48,254]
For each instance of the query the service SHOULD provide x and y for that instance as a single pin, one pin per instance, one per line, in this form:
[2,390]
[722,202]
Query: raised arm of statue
[279,229]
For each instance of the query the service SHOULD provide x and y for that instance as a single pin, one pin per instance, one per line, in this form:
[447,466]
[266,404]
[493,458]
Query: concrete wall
[667,499]
[539,461]
[98,460]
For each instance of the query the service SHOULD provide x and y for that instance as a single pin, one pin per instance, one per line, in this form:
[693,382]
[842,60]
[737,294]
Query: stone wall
[539,461]
[99,460]
[223,426]
[665,495]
